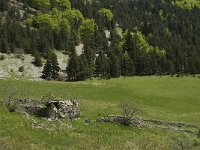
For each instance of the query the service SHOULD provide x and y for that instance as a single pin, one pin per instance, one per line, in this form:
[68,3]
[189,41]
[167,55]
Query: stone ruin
[150,123]
[68,109]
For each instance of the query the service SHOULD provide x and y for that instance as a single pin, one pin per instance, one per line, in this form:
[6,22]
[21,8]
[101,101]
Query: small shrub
[9,99]
[2,57]
[11,104]
[48,97]
[38,60]
[21,69]
[129,109]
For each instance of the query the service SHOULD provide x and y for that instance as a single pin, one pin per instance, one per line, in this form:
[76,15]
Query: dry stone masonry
[151,123]
[68,109]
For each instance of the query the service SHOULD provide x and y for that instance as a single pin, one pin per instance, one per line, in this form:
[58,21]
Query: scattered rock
[88,120]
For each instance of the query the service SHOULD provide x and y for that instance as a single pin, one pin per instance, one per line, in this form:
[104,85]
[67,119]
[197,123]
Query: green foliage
[105,18]
[44,3]
[106,14]
[187,4]
[44,20]
[74,16]
[87,31]
[64,4]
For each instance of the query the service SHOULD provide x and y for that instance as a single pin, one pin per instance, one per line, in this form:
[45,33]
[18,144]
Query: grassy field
[164,98]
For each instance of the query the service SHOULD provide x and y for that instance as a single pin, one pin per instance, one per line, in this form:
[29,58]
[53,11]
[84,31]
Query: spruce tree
[55,66]
[90,56]
[102,66]
[84,72]
[51,67]
[115,68]
[4,46]
[128,68]
[47,71]
[73,65]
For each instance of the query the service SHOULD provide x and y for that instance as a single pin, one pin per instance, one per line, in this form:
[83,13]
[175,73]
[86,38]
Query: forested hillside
[120,38]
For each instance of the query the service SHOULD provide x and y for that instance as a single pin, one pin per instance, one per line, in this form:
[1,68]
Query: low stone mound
[68,109]
[150,123]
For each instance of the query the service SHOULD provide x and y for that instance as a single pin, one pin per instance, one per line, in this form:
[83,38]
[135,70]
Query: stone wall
[68,109]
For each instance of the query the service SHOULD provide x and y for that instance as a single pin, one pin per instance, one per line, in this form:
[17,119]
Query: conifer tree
[4,46]
[84,72]
[55,66]
[128,68]
[90,56]
[47,71]
[51,67]
[115,68]
[102,66]
[73,64]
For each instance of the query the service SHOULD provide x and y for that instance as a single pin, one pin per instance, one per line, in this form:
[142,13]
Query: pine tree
[90,56]
[4,46]
[115,68]
[84,72]
[47,71]
[55,66]
[128,68]
[51,67]
[73,65]
[102,66]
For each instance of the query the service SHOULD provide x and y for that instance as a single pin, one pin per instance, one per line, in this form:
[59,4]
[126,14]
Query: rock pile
[150,123]
[121,120]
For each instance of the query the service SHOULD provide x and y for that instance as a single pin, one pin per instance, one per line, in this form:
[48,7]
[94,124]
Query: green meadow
[164,98]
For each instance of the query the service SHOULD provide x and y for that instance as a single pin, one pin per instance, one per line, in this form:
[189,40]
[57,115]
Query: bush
[11,104]
[37,61]
[9,99]
[48,97]
[129,109]
[21,69]
[2,57]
